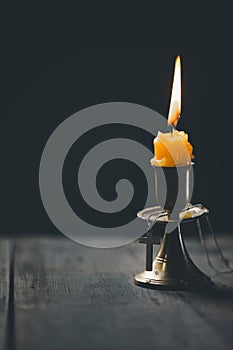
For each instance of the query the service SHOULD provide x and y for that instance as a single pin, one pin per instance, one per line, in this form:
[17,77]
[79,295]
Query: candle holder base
[146,279]
[172,267]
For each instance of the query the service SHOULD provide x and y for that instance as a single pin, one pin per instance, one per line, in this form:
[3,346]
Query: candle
[173,148]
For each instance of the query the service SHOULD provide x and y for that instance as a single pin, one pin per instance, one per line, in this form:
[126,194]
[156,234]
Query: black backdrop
[57,58]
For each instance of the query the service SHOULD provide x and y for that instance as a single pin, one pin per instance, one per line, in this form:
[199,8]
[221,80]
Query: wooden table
[56,294]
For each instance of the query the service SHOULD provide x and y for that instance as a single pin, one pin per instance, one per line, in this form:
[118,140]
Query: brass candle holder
[172,267]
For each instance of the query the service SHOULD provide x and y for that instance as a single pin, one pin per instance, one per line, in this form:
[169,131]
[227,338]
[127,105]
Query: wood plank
[4,291]
[216,306]
[69,296]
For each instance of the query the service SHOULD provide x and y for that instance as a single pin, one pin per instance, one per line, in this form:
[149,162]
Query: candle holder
[172,267]
[173,188]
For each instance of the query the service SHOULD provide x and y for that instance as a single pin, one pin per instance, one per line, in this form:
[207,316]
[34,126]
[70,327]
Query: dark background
[57,58]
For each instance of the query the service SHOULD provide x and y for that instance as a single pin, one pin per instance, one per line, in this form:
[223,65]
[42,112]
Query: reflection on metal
[172,267]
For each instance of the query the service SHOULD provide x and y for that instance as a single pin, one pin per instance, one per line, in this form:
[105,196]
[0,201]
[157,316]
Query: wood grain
[4,291]
[70,296]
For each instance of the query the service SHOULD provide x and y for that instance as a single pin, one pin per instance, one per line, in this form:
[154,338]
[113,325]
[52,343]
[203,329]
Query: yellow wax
[172,149]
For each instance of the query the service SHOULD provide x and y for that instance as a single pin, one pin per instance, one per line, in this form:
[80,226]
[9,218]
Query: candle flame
[175,104]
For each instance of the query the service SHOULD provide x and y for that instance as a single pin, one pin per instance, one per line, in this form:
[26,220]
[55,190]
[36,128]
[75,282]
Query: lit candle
[172,149]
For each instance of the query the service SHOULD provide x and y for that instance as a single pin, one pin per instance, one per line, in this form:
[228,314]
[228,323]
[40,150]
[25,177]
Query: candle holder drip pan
[172,267]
